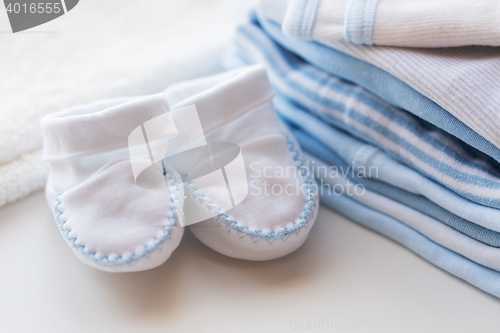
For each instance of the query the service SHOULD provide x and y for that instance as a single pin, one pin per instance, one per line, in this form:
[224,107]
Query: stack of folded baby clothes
[395,103]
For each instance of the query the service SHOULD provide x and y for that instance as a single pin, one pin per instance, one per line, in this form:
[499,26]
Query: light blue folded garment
[381,83]
[365,157]
[462,80]
[429,227]
[483,278]
[427,149]
[316,135]
[417,202]
[480,276]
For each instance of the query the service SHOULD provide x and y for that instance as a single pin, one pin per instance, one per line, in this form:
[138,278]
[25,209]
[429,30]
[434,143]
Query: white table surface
[344,278]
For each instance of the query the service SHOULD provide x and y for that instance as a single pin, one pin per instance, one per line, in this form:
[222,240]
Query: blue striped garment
[359,65]
[406,138]
[479,276]
[382,167]
[420,203]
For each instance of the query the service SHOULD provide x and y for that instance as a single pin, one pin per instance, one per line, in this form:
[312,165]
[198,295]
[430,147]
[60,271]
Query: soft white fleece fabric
[100,49]
[109,221]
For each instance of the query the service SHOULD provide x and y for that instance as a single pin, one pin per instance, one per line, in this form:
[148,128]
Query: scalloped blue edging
[301,222]
[120,259]
[222,219]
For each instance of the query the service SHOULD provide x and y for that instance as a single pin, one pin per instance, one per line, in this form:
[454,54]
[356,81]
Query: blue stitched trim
[359,21]
[147,249]
[302,222]
[299,19]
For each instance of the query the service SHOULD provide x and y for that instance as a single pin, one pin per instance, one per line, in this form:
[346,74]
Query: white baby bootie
[250,185]
[109,220]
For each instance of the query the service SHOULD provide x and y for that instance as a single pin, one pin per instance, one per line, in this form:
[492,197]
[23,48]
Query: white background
[343,275]
[344,278]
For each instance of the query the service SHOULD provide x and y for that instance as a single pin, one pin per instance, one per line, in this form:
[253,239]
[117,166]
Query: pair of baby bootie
[128,174]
